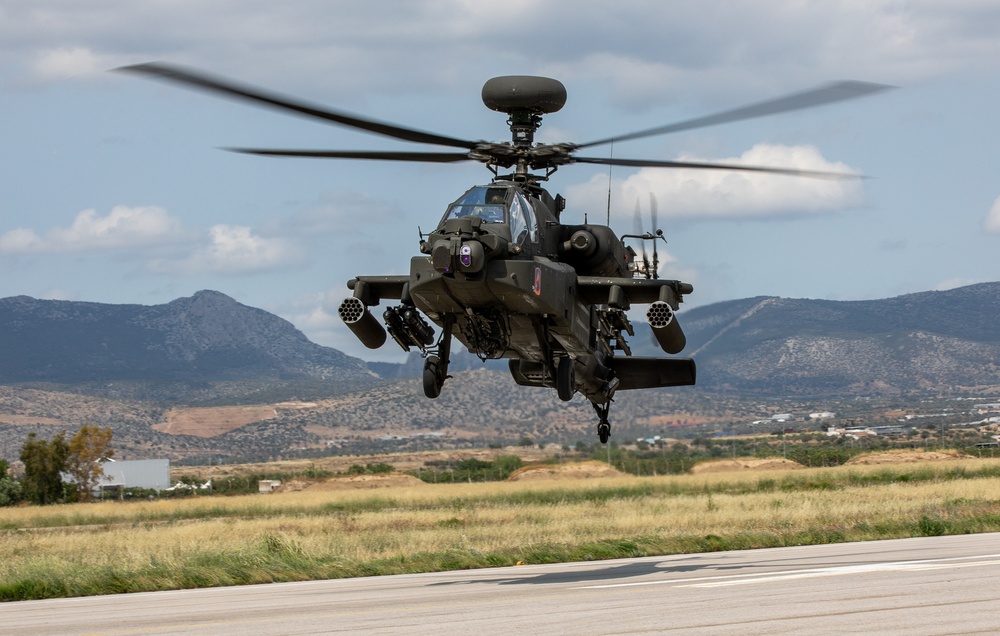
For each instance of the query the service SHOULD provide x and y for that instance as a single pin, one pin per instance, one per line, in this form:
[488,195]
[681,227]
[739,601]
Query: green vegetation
[44,463]
[469,470]
[11,491]
[86,449]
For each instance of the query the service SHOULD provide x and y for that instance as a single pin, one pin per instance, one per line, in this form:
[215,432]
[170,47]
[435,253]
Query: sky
[115,188]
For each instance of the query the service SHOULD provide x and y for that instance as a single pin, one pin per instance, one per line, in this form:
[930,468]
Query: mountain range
[207,337]
[939,341]
[204,378]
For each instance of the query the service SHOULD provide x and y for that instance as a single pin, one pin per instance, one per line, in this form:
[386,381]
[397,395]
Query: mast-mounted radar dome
[519,93]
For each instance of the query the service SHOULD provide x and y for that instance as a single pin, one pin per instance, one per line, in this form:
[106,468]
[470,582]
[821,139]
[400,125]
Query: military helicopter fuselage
[501,272]
[508,280]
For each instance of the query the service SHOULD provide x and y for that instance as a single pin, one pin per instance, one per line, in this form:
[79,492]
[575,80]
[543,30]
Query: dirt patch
[731,465]
[580,470]
[212,421]
[905,457]
[357,482]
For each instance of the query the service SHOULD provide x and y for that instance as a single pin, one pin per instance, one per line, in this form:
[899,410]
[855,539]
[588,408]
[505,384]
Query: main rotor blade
[829,93]
[197,79]
[646,163]
[652,215]
[654,230]
[431,157]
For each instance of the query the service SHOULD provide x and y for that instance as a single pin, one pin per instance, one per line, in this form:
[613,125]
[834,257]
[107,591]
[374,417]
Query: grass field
[84,549]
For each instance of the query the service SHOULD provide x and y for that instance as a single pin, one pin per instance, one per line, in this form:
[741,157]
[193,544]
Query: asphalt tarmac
[922,586]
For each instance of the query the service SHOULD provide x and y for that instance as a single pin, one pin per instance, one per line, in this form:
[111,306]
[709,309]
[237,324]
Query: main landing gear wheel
[436,366]
[565,380]
[434,376]
[604,426]
[604,432]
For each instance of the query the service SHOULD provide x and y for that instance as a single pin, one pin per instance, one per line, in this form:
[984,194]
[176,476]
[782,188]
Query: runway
[922,586]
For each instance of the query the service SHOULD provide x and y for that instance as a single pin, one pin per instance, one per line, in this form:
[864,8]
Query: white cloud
[992,222]
[952,283]
[21,241]
[698,193]
[123,228]
[791,44]
[233,249]
[61,63]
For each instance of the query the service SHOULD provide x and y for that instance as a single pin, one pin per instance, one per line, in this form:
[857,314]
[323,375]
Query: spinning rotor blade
[637,226]
[430,157]
[656,234]
[829,93]
[651,163]
[197,79]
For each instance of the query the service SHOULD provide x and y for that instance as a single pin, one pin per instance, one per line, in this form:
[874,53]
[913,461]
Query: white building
[138,473]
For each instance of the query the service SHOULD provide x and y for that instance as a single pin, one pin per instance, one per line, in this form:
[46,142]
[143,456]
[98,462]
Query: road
[922,586]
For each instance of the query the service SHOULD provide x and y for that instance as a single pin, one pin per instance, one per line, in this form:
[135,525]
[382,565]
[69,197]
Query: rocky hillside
[208,337]
[210,349]
[936,341]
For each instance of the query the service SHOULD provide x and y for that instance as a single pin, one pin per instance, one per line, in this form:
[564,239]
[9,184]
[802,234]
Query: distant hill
[935,341]
[208,337]
[941,341]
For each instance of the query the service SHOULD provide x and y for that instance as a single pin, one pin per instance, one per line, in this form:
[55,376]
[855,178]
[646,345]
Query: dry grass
[84,549]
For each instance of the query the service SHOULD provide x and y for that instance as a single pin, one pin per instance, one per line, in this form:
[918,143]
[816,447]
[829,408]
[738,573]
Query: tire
[604,433]
[432,380]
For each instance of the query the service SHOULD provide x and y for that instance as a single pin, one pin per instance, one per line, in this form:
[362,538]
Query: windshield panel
[518,223]
[531,226]
[488,203]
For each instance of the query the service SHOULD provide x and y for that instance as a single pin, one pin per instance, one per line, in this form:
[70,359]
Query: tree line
[57,470]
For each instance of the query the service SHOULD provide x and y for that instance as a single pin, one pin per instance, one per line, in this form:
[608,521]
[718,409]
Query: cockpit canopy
[500,205]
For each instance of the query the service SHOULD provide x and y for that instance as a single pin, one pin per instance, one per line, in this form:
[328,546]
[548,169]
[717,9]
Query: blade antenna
[610,167]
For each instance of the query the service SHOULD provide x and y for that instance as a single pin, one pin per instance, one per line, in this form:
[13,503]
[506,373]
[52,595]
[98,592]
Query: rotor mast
[525,99]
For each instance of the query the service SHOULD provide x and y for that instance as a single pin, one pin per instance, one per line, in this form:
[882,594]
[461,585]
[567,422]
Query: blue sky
[114,188]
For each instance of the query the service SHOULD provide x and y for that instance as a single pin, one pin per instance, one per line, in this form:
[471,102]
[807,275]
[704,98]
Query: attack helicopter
[502,272]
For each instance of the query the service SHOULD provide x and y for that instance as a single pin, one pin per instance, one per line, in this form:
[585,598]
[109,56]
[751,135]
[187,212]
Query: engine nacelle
[593,250]
[665,327]
[365,326]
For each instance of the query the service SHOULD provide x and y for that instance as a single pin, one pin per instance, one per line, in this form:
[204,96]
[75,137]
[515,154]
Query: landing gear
[604,432]
[604,426]
[565,379]
[436,364]
[433,376]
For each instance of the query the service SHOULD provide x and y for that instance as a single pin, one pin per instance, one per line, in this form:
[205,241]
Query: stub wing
[641,291]
[662,296]
[379,287]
